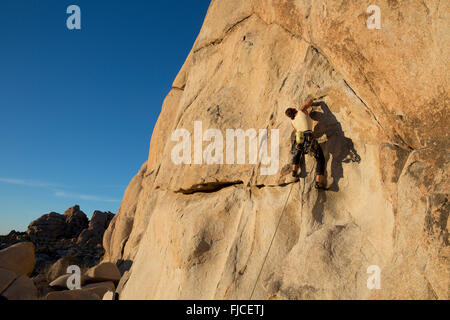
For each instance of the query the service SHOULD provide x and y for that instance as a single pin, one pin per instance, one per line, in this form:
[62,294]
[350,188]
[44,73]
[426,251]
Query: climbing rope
[276,230]
[271,242]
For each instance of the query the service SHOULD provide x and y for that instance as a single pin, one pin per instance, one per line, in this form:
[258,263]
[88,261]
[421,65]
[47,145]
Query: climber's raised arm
[304,108]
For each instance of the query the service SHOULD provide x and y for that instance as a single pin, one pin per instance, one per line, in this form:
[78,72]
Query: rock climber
[305,143]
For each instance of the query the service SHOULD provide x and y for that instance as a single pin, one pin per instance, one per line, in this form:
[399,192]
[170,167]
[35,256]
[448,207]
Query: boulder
[72,295]
[22,288]
[93,235]
[100,220]
[105,271]
[76,221]
[47,228]
[42,285]
[100,288]
[54,226]
[89,237]
[60,267]
[6,278]
[109,295]
[18,258]
[61,281]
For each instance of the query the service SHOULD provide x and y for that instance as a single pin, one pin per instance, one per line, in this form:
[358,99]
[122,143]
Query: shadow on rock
[337,147]
[340,148]
[124,265]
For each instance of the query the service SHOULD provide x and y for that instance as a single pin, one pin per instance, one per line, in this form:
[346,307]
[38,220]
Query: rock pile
[95,283]
[12,238]
[52,243]
[16,264]
[93,235]
[76,221]
[54,226]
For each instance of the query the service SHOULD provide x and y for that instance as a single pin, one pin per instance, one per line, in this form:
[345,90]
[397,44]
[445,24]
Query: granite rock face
[228,231]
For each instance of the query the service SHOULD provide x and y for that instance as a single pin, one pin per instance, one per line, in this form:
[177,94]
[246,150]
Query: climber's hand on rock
[306,106]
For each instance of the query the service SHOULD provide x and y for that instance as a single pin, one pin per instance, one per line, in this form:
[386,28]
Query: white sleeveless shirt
[302,122]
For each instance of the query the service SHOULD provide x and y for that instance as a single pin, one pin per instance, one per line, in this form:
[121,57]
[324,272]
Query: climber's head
[291,112]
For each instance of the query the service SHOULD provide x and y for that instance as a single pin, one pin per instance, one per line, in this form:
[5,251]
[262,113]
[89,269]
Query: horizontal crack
[209,187]
[217,186]
[281,185]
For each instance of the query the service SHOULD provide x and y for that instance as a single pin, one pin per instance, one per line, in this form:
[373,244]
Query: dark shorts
[311,146]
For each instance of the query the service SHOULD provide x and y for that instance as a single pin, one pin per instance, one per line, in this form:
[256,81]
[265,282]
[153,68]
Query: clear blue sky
[77,108]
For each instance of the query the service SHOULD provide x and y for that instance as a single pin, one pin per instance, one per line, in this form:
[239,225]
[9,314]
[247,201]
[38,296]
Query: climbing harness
[303,142]
[299,137]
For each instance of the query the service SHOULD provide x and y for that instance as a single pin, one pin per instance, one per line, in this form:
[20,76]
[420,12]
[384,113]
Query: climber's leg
[320,168]
[295,170]
[320,181]
[296,155]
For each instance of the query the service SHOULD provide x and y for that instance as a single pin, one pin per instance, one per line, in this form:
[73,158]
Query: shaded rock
[18,258]
[72,295]
[61,281]
[100,288]
[53,226]
[117,236]
[105,271]
[22,288]
[124,265]
[47,228]
[12,238]
[76,221]
[42,285]
[90,237]
[55,238]
[6,278]
[123,281]
[60,267]
[100,220]
[93,235]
